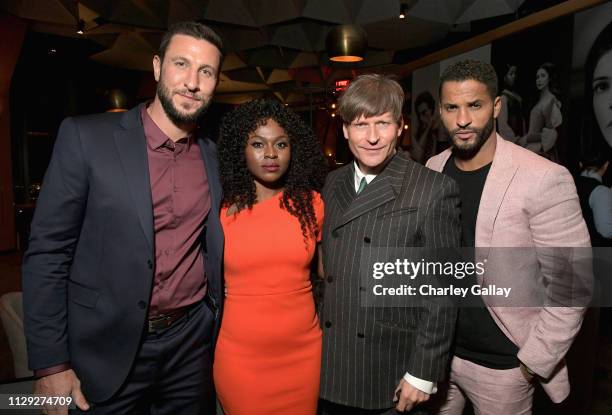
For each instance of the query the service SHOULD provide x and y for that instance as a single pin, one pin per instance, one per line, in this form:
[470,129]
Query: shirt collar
[156,138]
[360,175]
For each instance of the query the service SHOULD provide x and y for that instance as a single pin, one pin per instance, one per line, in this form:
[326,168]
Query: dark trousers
[172,373]
[330,408]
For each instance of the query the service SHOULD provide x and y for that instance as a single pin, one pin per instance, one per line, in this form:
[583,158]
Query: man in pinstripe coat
[379,360]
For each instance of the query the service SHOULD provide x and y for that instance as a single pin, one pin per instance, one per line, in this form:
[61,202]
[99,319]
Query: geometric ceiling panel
[181,10]
[86,14]
[240,38]
[304,59]
[105,39]
[245,75]
[334,11]
[230,11]
[397,34]
[232,61]
[272,45]
[270,57]
[153,38]
[375,10]
[483,9]
[55,11]
[267,12]
[442,11]
[279,75]
[291,36]
[303,35]
[142,13]
[131,49]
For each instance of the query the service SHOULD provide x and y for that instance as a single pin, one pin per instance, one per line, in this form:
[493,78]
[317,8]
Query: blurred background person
[597,120]
[545,116]
[268,355]
[510,122]
[429,139]
[595,197]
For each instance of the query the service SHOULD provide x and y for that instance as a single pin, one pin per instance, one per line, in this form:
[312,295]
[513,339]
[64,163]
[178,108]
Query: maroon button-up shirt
[181,201]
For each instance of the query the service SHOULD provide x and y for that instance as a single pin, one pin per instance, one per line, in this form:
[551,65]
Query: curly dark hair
[307,167]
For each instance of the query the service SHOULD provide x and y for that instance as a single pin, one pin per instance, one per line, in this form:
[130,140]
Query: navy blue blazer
[89,268]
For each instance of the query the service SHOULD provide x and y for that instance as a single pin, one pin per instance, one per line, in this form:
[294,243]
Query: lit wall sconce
[80,27]
[403,10]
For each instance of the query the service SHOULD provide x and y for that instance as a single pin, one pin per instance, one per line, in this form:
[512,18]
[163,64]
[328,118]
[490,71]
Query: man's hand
[407,396]
[64,383]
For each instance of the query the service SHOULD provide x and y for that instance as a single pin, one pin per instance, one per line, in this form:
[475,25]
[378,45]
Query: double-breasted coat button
[360,335]
[150,264]
[142,305]
[328,324]
[367,240]
[330,279]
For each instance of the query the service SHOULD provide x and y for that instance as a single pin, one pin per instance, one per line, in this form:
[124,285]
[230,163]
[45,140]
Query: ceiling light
[403,10]
[346,43]
[81,27]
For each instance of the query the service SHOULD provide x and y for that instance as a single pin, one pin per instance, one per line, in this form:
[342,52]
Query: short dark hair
[193,29]
[593,158]
[470,69]
[371,95]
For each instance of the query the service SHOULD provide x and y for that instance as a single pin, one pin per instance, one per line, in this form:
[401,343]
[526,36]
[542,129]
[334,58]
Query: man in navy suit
[122,279]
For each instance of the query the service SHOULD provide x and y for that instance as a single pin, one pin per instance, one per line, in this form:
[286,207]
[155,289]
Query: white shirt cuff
[422,385]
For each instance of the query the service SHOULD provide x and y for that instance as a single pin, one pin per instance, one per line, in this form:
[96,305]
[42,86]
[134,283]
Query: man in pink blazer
[518,210]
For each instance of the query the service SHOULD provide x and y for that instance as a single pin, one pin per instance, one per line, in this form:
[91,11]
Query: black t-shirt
[479,339]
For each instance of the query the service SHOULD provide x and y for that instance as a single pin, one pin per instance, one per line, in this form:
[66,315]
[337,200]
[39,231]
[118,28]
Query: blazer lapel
[438,162]
[132,148]
[498,180]
[344,189]
[377,193]
[212,174]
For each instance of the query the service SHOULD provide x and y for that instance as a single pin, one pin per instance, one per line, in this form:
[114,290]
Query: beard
[466,151]
[175,115]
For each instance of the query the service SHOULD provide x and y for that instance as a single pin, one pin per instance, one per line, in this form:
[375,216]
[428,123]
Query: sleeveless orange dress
[268,355]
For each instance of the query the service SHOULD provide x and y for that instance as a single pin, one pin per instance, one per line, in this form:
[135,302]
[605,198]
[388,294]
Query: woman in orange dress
[268,355]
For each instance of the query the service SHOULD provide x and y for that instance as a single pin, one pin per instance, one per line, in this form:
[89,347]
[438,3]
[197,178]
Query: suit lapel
[132,148]
[344,188]
[212,174]
[498,180]
[377,193]
[438,162]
